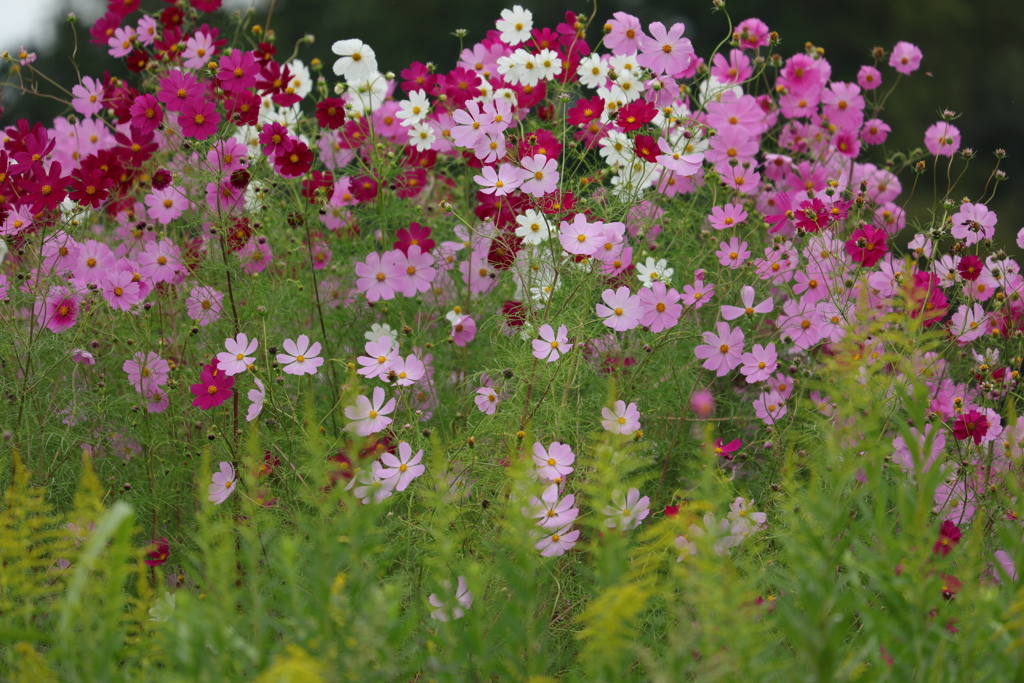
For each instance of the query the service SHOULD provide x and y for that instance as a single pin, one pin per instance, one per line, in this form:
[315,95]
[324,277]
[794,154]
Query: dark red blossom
[970,425]
[415,234]
[293,161]
[364,188]
[317,180]
[949,536]
[970,267]
[90,186]
[586,111]
[159,554]
[646,148]
[410,183]
[330,113]
[514,312]
[47,190]
[635,114]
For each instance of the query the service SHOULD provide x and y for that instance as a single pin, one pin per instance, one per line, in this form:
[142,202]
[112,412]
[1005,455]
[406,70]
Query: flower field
[573,356]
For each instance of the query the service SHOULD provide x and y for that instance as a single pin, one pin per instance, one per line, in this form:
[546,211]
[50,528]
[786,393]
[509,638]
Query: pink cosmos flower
[553,464]
[223,484]
[213,388]
[549,511]
[500,182]
[301,358]
[759,363]
[697,294]
[413,270]
[204,305]
[83,357]
[161,261]
[380,355]
[721,351]
[580,237]
[486,400]
[659,306]
[369,418]
[702,403]
[463,328]
[973,223]
[408,370]
[942,139]
[255,255]
[558,543]
[146,370]
[238,356]
[257,396]
[94,261]
[683,165]
[370,486]
[733,253]
[121,43]
[875,131]
[539,174]
[620,418]
[905,58]
[627,512]
[198,119]
[623,33]
[665,51]
[120,291]
[87,98]
[58,310]
[403,468]
[770,407]
[904,455]
[727,216]
[623,310]
[748,308]
[463,601]
[869,77]
[551,347]
[199,49]
[373,279]
[167,204]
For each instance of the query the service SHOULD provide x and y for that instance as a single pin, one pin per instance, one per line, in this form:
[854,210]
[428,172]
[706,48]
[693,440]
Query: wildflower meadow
[573,355]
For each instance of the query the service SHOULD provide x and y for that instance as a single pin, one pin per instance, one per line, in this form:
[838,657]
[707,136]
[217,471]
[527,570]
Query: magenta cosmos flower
[223,484]
[463,328]
[301,357]
[721,352]
[551,346]
[620,418]
[368,418]
[970,425]
[58,310]
[623,310]
[213,388]
[198,119]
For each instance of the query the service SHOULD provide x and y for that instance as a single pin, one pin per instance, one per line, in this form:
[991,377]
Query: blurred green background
[973,56]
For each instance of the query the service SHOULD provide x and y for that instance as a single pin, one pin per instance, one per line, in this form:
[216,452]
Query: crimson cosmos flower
[158,555]
[970,425]
[213,388]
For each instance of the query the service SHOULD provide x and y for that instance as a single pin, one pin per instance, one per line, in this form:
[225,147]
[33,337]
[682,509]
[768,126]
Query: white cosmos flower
[533,227]
[357,60]
[515,25]
[414,109]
